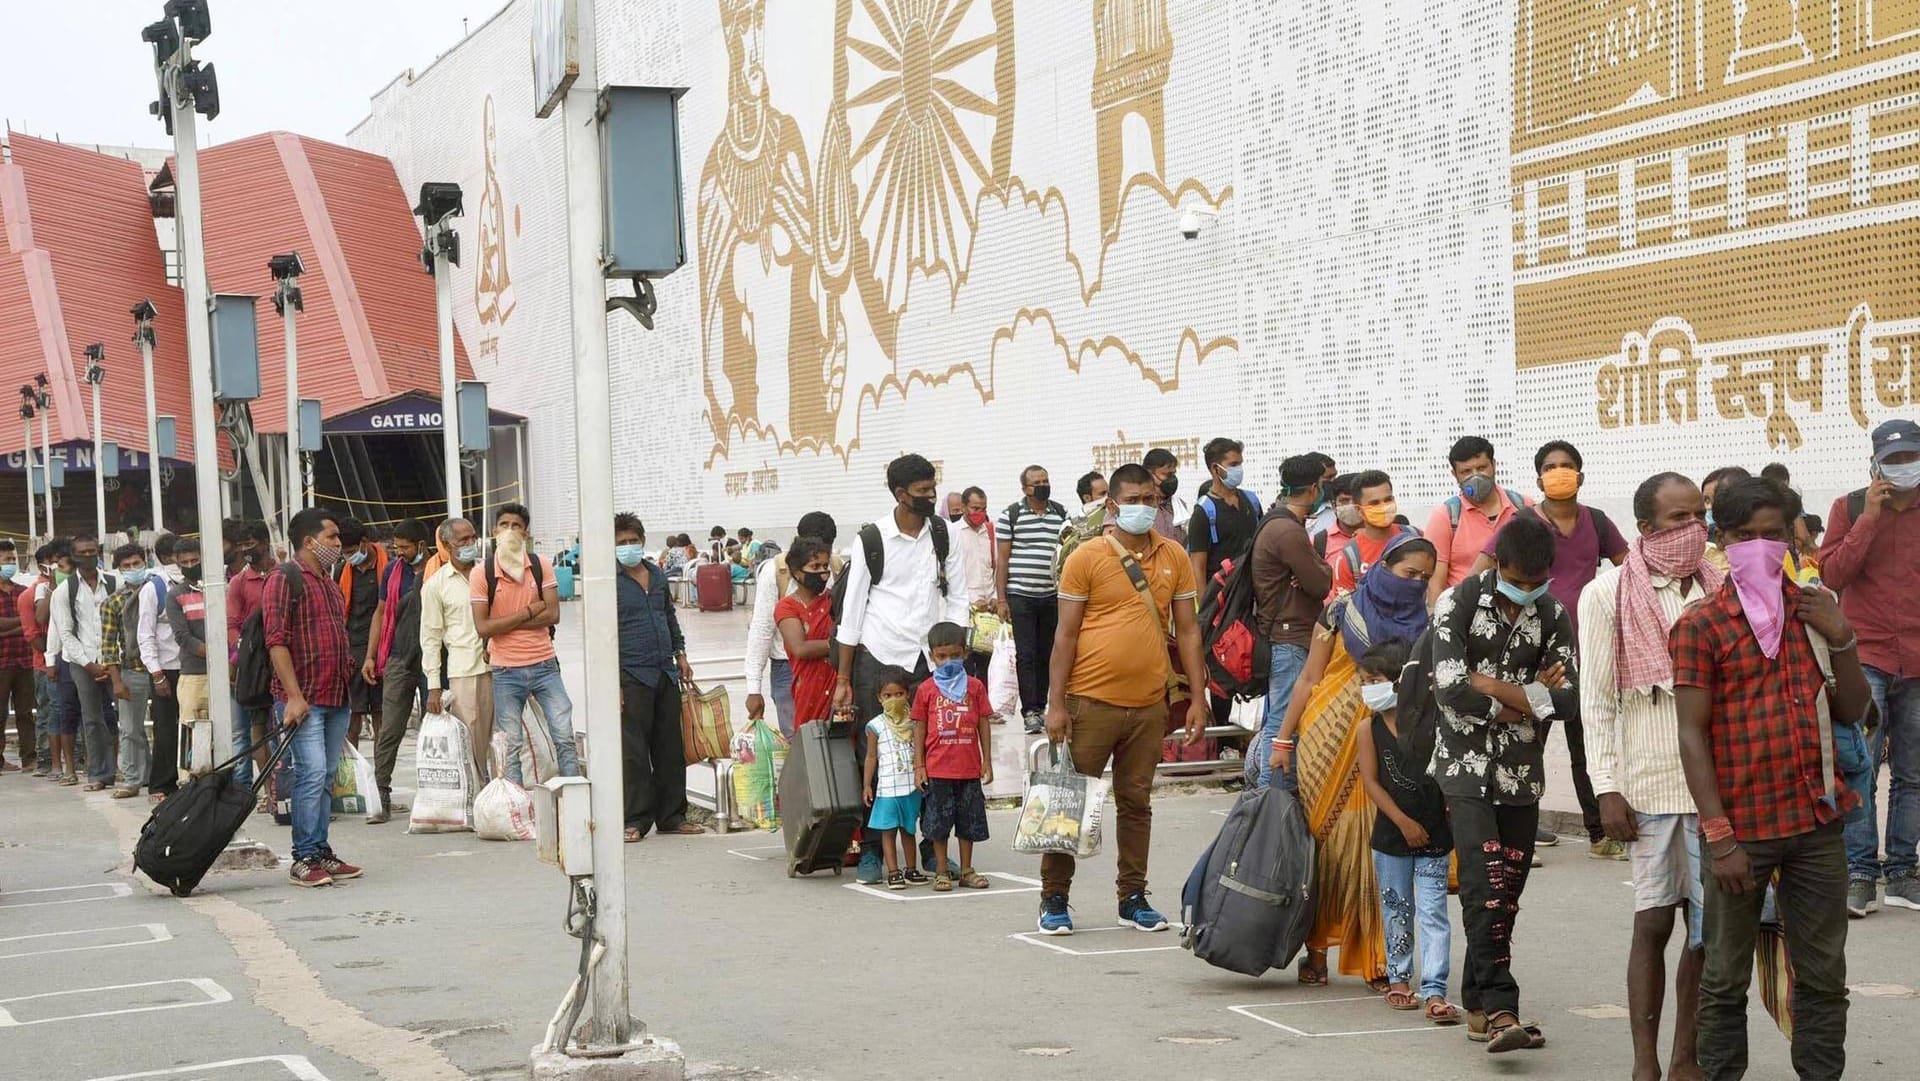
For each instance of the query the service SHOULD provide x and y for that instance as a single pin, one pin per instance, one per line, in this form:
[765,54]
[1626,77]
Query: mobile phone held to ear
[1874,471]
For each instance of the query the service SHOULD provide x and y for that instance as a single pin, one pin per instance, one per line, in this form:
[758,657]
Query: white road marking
[1057,943]
[156,932]
[1030,885]
[746,853]
[215,993]
[1247,1011]
[114,890]
[298,1068]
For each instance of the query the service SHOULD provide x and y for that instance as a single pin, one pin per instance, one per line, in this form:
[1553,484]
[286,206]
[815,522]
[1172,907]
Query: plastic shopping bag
[1062,809]
[1003,677]
[444,776]
[706,729]
[353,788]
[759,752]
[984,633]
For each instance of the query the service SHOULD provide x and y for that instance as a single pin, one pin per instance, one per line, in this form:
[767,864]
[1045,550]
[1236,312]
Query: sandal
[686,829]
[972,879]
[943,883]
[1442,1012]
[69,779]
[896,880]
[1379,985]
[1312,975]
[1399,998]
[92,786]
[1506,1033]
[634,834]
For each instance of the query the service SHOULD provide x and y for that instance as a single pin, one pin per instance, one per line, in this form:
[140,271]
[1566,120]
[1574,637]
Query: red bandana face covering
[1757,567]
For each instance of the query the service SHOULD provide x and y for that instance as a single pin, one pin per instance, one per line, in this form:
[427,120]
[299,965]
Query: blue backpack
[1211,506]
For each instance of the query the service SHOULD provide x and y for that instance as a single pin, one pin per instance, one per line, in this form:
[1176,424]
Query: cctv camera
[286,266]
[1190,225]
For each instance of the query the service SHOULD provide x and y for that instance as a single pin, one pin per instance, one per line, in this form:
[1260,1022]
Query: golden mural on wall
[1716,208]
[492,283]
[808,263]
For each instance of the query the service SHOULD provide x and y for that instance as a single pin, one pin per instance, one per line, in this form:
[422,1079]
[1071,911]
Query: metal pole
[46,459]
[206,446]
[593,453]
[449,404]
[486,481]
[33,511]
[99,473]
[145,334]
[293,411]
[520,462]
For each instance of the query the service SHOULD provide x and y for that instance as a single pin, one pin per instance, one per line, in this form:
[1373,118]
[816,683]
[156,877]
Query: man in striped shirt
[1028,594]
[1633,751]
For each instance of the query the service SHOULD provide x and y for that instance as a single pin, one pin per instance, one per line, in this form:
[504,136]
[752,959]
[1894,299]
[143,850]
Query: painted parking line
[213,993]
[101,891]
[747,853]
[80,941]
[1058,943]
[296,1067]
[1247,1011]
[1027,885]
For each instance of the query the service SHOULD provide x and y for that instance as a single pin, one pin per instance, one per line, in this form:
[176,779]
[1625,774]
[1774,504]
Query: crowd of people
[1728,674]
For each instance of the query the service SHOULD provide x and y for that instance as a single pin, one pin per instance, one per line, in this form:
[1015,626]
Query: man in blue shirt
[653,664]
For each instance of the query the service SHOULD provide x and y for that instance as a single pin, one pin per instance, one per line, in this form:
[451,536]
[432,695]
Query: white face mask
[1379,697]
[1905,476]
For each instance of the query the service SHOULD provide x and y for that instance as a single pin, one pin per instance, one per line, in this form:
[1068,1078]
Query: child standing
[891,789]
[1411,840]
[953,755]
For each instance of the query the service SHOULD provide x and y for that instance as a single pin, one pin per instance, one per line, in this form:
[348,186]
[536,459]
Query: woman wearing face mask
[1322,730]
[805,621]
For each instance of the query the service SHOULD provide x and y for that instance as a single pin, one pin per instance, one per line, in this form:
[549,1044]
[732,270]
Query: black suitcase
[820,804]
[188,831]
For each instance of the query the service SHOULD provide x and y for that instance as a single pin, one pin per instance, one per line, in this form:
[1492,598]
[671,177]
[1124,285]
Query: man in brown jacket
[1290,582]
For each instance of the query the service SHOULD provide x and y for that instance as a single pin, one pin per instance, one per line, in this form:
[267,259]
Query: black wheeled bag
[1248,905]
[190,828]
[821,808]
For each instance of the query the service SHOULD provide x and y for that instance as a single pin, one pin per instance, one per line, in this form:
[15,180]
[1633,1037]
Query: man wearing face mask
[1379,525]
[1290,584]
[1171,509]
[653,665]
[160,655]
[903,575]
[1027,589]
[1765,674]
[1630,720]
[1330,489]
[392,660]
[1122,596]
[244,589]
[453,656]
[1462,524]
[515,606]
[305,620]
[1222,526]
[978,550]
[365,560]
[186,615]
[16,659]
[1503,661]
[120,653]
[1339,518]
[1869,557]
[74,618]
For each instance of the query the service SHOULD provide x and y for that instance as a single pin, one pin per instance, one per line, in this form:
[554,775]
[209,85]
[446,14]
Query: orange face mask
[1560,482]
[1380,515]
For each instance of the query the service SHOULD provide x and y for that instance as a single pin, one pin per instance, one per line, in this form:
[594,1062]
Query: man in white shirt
[452,654]
[1633,751]
[767,665]
[885,617]
[160,655]
[74,612]
[978,546]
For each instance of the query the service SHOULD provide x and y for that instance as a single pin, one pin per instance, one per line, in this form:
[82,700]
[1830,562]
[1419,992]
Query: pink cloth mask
[1757,568]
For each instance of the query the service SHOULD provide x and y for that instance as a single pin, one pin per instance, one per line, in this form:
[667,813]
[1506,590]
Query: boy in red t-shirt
[953,755]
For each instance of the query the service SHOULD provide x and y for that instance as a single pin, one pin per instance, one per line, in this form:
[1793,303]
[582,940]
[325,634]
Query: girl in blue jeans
[1411,841]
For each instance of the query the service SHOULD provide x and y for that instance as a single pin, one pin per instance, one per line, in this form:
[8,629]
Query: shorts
[955,807]
[362,697]
[1666,866]
[895,813]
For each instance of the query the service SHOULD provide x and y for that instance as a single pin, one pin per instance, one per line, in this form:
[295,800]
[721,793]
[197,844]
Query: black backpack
[253,670]
[876,558]
[1238,657]
[493,582]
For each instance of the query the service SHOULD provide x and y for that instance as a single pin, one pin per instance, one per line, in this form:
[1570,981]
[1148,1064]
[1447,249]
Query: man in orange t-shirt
[1379,524]
[516,603]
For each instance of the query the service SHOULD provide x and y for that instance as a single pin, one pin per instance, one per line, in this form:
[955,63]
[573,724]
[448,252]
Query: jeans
[135,761]
[1897,743]
[1576,738]
[1414,889]
[1812,896]
[653,756]
[42,718]
[1035,619]
[1494,842]
[1282,673]
[317,744]
[780,689]
[249,726]
[93,696]
[541,682]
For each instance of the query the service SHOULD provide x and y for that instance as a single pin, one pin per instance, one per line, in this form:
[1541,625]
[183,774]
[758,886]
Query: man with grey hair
[452,654]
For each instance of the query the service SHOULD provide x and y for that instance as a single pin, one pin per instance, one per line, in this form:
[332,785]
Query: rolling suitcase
[820,804]
[185,834]
[713,585]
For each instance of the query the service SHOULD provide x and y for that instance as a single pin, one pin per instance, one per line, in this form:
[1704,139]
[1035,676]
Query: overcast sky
[78,68]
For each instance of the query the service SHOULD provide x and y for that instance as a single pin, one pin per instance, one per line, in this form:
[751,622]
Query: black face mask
[1170,486]
[192,574]
[813,581]
[954,516]
[1043,492]
[85,563]
[922,506]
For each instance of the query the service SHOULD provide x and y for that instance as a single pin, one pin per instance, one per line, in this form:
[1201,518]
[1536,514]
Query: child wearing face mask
[953,755]
[892,784]
[1411,841]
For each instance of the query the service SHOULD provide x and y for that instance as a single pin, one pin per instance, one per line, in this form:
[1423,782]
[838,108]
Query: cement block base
[242,854]
[655,1059]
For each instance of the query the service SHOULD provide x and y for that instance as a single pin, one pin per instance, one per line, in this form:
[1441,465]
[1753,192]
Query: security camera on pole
[43,405]
[286,270]
[439,205]
[96,375]
[143,314]
[188,90]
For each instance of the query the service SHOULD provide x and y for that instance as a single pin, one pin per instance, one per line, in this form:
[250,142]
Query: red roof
[368,330]
[79,251]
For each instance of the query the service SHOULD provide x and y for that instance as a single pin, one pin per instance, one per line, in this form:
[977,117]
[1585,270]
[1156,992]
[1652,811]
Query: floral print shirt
[1475,755]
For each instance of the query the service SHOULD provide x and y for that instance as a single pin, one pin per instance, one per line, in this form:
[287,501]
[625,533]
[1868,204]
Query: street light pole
[26,451]
[143,314]
[449,407]
[44,402]
[97,374]
[286,270]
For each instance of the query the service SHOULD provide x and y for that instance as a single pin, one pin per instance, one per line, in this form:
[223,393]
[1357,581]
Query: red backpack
[1238,656]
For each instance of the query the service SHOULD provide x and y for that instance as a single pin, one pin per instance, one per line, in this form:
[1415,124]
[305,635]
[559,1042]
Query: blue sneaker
[1136,913]
[871,868]
[1054,917]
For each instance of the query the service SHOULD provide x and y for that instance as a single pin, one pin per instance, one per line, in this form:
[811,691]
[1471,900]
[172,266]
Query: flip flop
[686,829]
[1441,1012]
[633,835]
[1402,1000]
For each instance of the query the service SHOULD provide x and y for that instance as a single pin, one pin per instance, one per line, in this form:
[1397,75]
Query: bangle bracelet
[1851,644]
[1732,846]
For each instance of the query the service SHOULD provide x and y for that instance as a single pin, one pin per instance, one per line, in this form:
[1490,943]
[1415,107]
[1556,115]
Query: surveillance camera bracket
[641,305]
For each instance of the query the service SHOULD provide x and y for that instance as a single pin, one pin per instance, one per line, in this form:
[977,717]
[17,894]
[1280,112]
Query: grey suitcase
[820,804]
[1248,905]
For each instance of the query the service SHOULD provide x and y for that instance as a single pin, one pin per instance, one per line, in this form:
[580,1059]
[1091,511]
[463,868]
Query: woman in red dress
[805,620]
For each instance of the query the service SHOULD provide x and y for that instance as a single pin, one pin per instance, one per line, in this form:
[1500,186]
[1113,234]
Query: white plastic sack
[503,812]
[539,761]
[1003,677]
[365,782]
[445,777]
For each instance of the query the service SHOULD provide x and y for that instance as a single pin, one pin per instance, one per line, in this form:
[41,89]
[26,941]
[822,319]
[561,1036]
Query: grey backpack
[1248,905]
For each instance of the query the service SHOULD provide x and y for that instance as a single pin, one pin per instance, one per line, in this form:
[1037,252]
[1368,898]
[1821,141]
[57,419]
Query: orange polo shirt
[522,646]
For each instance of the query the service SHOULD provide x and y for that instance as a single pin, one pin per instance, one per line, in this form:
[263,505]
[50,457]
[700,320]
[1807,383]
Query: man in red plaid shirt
[1756,713]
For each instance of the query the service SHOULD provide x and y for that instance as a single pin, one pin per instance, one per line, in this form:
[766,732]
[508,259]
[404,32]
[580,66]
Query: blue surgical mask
[8,570]
[356,559]
[1477,487]
[1523,597]
[1379,697]
[629,555]
[470,553]
[1135,518]
[133,577]
[1233,475]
